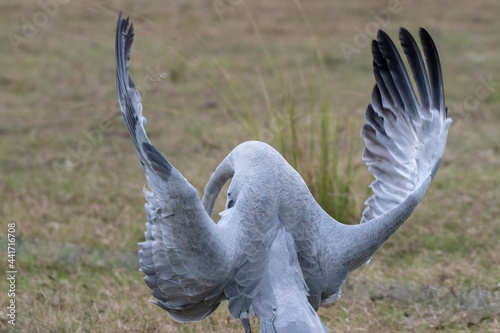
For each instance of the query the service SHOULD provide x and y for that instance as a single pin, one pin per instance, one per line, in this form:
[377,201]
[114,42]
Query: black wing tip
[125,31]
[427,42]
[435,72]
[378,58]
[129,39]
[403,30]
[383,50]
[383,39]
[122,36]
[404,36]
[407,41]
[384,47]
[122,22]
[424,33]
[382,35]
[124,41]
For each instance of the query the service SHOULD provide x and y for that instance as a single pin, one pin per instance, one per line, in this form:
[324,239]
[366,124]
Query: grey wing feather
[184,258]
[404,137]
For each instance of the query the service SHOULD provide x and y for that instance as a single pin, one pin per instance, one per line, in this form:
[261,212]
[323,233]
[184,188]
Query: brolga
[276,253]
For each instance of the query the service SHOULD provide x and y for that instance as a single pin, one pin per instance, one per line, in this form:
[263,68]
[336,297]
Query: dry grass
[79,215]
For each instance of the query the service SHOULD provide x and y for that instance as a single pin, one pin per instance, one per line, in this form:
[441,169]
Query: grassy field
[214,74]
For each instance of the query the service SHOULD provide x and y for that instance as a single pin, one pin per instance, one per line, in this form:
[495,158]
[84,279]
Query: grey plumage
[275,252]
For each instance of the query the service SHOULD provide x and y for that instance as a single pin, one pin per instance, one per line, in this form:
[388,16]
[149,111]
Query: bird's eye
[230,204]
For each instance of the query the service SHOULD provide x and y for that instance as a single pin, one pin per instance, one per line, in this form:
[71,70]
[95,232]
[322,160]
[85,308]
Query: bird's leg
[246,322]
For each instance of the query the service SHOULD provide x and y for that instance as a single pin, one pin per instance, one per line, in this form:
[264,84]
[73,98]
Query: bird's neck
[365,239]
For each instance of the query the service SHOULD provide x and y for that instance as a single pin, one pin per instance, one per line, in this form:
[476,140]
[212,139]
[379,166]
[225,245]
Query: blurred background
[212,74]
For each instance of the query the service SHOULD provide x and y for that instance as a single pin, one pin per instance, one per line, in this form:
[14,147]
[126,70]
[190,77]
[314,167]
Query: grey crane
[275,252]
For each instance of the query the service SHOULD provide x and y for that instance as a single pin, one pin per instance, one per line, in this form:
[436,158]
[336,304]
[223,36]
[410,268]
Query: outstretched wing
[184,257]
[405,137]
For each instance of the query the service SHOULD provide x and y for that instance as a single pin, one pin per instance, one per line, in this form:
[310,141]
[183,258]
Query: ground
[212,74]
